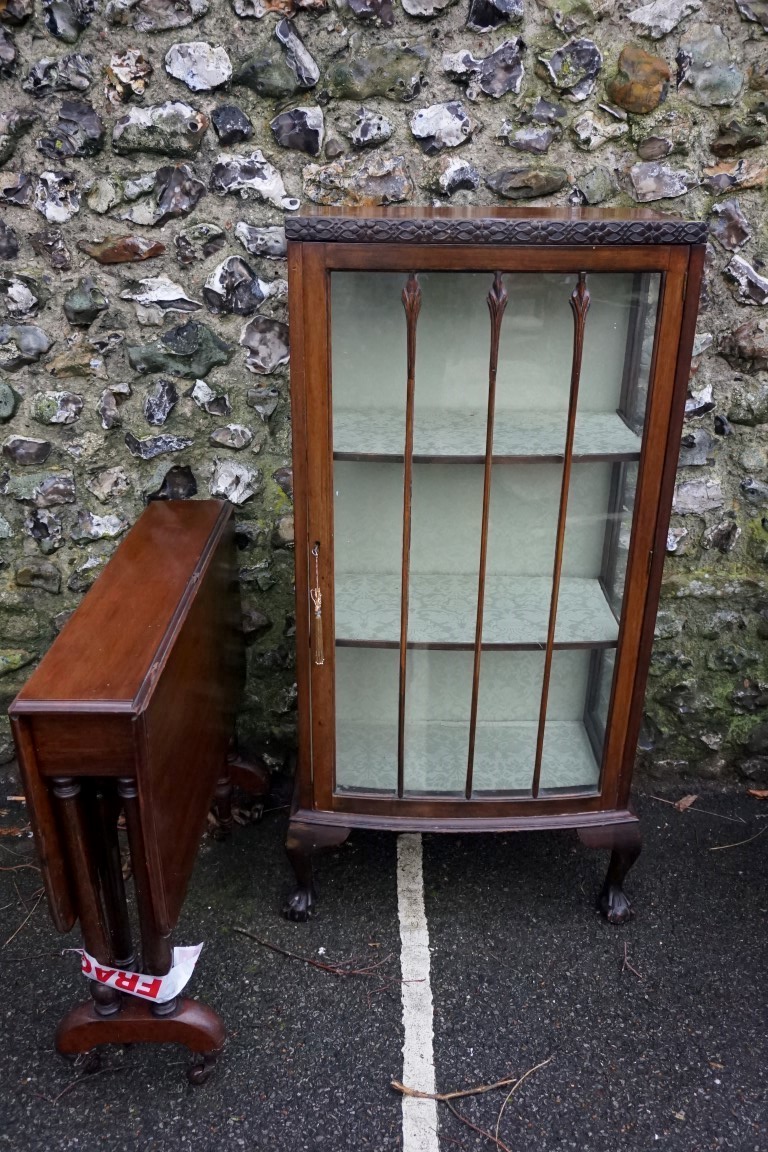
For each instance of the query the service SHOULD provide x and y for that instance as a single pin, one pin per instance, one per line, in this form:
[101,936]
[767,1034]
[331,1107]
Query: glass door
[487,430]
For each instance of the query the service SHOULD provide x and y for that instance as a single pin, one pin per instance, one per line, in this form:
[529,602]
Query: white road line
[419,1116]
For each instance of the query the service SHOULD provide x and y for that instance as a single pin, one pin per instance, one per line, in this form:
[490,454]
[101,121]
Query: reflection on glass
[450,413]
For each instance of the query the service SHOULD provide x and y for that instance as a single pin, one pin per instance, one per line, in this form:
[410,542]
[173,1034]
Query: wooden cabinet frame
[577,242]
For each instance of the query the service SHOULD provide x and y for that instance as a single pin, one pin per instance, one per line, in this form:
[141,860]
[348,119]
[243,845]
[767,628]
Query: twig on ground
[738,843]
[341,969]
[74,1084]
[627,966]
[475,1128]
[694,808]
[478,1090]
[30,914]
[515,1087]
[17,867]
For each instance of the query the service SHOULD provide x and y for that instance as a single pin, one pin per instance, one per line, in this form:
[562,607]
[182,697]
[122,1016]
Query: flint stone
[234,287]
[127,76]
[528,182]
[749,404]
[747,346]
[84,303]
[45,528]
[109,484]
[26,451]
[262,241]
[426,9]
[153,446]
[44,489]
[657,182]
[103,194]
[735,137]
[662,16]
[215,404]
[159,402]
[496,75]
[109,403]
[231,124]
[56,407]
[394,70]
[696,448]
[190,350]
[694,497]
[198,65]
[66,19]
[79,131]
[72,73]
[155,15]
[266,342]
[178,484]
[14,125]
[21,344]
[172,129]
[530,138]
[49,243]
[378,180]
[156,296]
[455,175]
[300,128]
[21,295]
[573,68]
[198,242]
[755,491]
[40,574]
[264,401]
[641,80]
[57,197]
[89,527]
[484,15]
[234,481]
[235,436]
[177,191]
[729,225]
[751,287]
[268,74]
[8,401]
[16,11]
[441,126]
[377,11]
[297,56]
[7,54]
[17,190]
[85,574]
[722,536]
[122,249]
[254,173]
[593,187]
[756,11]
[706,66]
[9,242]
[283,535]
[366,128]
[255,624]
[736,174]
[592,131]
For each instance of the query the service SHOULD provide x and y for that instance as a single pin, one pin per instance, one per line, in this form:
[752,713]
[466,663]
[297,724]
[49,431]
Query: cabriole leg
[625,844]
[302,843]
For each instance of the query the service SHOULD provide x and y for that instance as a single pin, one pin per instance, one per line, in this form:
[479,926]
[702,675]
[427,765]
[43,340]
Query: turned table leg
[94,923]
[625,843]
[104,809]
[302,843]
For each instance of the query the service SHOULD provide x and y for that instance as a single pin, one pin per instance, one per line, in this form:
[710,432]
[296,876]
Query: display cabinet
[487,409]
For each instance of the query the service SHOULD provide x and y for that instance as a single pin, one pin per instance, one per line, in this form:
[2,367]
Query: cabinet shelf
[459,435]
[436,757]
[442,612]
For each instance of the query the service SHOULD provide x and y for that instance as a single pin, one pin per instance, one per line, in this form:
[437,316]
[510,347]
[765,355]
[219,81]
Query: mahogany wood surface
[193,1024]
[410,240]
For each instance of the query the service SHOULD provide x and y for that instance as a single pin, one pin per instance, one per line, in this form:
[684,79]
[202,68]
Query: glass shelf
[366,757]
[442,611]
[459,435]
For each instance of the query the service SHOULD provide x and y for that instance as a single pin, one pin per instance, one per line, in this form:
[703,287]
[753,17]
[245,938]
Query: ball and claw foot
[200,1071]
[614,905]
[299,905]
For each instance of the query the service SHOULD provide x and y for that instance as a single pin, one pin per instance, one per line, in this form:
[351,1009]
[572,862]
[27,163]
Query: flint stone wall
[149,150]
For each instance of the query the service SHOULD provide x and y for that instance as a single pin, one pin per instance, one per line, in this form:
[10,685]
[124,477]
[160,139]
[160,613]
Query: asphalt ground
[669,1053]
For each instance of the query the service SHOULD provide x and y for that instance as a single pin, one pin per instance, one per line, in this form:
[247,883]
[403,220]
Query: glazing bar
[412,304]
[497,302]
[579,306]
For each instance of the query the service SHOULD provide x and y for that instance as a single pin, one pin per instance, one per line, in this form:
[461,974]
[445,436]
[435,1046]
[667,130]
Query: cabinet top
[491,225]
